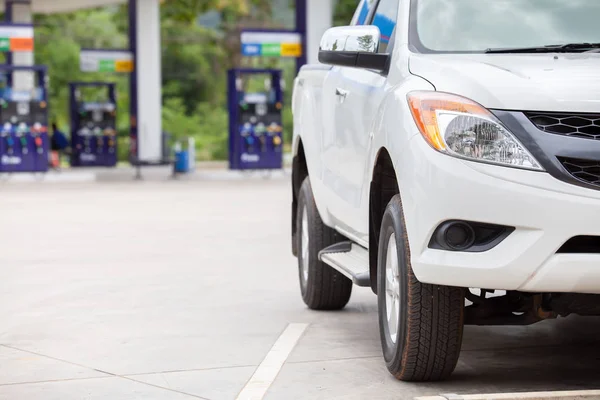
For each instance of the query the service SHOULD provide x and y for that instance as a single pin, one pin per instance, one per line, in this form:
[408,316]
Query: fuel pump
[24,140]
[255,121]
[93,124]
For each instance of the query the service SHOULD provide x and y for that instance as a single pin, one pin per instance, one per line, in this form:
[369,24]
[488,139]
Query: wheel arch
[299,173]
[384,186]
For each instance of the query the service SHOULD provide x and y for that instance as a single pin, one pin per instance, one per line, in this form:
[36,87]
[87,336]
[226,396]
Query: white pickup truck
[444,150]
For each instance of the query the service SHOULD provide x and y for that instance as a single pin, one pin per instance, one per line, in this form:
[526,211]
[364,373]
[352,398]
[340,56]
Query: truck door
[331,142]
[359,94]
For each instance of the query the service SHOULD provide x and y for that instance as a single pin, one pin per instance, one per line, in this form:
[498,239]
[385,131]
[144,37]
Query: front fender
[392,132]
[393,127]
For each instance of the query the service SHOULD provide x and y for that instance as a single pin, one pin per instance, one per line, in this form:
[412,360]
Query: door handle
[341,92]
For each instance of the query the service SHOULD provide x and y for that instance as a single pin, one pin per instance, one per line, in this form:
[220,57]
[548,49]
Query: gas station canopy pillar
[319,17]
[146,80]
[20,12]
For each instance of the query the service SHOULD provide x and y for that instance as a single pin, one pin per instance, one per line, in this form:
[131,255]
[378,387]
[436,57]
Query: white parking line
[268,369]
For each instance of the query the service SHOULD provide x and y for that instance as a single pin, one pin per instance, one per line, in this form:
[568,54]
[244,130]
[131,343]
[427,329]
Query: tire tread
[328,289]
[434,323]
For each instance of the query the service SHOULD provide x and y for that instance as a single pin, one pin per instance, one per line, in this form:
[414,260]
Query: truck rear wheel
[420,325]
[322,287]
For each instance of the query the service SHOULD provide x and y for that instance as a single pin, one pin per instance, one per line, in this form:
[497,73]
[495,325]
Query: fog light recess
[456,235]
[467,236]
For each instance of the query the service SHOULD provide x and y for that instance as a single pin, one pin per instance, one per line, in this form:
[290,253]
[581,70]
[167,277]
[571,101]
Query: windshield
[477,25]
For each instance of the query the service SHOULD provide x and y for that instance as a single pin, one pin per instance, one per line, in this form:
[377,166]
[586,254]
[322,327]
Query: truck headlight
[462,128]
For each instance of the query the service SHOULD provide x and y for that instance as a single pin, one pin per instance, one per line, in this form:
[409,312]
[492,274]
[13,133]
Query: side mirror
[353,46]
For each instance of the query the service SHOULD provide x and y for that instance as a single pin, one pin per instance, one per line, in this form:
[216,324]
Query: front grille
[585,170]
[585,126]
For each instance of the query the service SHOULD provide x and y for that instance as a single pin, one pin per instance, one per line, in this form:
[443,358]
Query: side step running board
[350,259]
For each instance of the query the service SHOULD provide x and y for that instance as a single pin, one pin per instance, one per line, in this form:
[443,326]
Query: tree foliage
[344,10]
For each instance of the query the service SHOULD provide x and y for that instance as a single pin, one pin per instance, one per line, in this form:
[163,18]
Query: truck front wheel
[420,325]
[322,287]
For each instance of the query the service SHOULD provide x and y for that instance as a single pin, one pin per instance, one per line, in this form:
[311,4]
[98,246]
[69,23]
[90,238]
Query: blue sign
[251,49]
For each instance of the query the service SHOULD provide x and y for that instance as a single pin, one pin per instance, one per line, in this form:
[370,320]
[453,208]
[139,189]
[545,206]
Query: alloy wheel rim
[392,289]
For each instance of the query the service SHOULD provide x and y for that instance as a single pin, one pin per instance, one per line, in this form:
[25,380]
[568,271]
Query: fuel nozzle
[10,142]
[21,131]
[98,133]
[23,141]
[39,144]
[263,143]
[249,142]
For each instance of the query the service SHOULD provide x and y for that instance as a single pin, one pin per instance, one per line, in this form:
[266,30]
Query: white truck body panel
[533,82]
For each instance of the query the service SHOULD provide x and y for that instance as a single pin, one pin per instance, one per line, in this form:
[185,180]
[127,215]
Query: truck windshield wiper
[560,48]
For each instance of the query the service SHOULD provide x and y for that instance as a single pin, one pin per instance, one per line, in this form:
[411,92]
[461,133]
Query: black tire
[430,318]
[324,288]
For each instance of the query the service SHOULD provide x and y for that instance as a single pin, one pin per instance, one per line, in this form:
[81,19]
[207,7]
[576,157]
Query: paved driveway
[180,289]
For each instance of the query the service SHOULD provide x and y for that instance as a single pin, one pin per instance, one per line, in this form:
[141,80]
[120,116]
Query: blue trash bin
[182,164]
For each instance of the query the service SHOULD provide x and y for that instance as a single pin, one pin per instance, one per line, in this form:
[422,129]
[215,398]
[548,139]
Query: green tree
[344,11]
[58,40]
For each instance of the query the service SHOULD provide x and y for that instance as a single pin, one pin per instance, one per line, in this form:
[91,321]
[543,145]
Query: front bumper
[545,212]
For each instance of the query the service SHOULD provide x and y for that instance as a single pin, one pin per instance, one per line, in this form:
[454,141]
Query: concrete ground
[164,289]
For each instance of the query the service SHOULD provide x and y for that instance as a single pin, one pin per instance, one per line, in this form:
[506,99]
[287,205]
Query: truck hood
[529,82]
